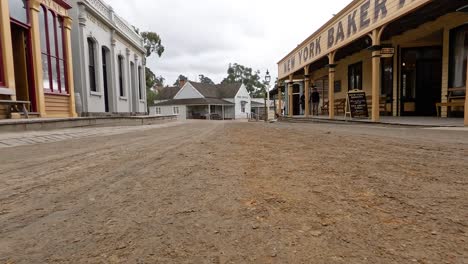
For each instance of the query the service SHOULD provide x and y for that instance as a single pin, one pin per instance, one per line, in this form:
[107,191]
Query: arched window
[92,65]
[121,76]
[53,51]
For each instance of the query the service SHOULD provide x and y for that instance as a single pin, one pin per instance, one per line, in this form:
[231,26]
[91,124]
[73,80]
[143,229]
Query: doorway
[421,81]
[22,65]
[105,75]
[296,100]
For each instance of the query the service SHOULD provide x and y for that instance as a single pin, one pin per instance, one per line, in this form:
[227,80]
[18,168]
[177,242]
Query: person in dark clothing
[315,99]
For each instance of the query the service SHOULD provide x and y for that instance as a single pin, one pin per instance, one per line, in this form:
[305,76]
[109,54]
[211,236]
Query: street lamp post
[267,89]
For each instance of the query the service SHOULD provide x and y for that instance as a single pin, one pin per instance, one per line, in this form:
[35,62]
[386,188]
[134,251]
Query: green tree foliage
[181,78]
[151,81]
[152,43]
[251,79]
[203,79]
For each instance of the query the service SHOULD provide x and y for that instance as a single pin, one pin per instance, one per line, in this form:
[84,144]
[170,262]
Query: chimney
[182,82]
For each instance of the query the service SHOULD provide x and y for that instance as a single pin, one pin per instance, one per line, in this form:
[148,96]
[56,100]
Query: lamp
[267,77]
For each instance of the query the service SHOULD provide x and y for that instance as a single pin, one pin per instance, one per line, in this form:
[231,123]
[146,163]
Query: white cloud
[203,37]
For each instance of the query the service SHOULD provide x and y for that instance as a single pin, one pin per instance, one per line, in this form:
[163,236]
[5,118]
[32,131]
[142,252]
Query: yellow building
[35,57]
[410,57]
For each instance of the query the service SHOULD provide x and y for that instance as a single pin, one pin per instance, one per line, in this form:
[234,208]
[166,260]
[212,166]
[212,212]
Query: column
[7,50]
[279,110]
[143,82]
[290,99]
[114,85]
[376,73]
[466,98]
[307,94]
[67,21]
[331,91]
[34,6]
[376,84]
[128,73]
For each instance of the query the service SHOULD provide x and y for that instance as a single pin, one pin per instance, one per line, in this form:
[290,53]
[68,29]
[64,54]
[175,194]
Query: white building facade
[108,60]
[203,101]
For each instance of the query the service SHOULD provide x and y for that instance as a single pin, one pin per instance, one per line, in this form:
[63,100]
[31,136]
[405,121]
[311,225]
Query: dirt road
[213,192]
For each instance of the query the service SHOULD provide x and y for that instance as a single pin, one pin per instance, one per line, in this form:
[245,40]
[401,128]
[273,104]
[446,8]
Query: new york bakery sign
[362,17]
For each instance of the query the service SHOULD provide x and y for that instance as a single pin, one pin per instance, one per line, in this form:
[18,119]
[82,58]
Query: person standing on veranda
[315,98]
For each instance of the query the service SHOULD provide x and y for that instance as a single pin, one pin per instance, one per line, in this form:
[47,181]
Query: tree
[180,78]
[251,79]
[204,79]
[152,43]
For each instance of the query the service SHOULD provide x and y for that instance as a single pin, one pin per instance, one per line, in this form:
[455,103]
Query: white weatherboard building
[193,100]
[108,61]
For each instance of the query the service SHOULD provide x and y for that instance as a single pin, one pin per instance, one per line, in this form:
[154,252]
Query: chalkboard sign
[357,104]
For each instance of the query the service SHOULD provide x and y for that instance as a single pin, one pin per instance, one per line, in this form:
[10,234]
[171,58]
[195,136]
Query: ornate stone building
[109,61]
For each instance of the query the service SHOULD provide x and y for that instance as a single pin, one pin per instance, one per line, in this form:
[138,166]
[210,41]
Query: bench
[16,107]
[452,94]
[325,108]
[382,104]
[340,105]
[449,105]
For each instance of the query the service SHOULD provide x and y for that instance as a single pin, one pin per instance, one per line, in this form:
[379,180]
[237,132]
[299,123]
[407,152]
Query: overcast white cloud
[204,36]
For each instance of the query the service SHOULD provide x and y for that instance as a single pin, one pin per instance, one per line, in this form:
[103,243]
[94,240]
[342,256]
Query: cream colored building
[408,56]
[35,57]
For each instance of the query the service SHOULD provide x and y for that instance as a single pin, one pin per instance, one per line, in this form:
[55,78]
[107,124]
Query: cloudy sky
[204,36]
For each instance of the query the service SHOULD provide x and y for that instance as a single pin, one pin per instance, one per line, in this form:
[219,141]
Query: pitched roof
[168,93]
[195,101]
[217,91]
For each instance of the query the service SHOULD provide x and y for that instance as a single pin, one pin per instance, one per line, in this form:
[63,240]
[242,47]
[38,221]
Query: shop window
[158,110]
[92,65]
[355,76]
[458,57]
[53,52]
[121,76]
[19,10]
[140,91]
[387,77]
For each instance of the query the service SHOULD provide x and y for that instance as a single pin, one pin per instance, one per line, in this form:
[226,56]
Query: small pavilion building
[409,57]
[35,58]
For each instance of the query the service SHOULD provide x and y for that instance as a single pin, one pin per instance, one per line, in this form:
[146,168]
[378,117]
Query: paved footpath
[15,139]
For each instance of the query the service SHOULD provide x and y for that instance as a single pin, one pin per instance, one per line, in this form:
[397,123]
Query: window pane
[54,74]
[91,52]
[45,72]
[18,10]
[51,22]
[60,37]
[42,29]
[63,87]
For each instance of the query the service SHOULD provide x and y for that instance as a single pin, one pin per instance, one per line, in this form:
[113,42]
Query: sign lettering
[357,22]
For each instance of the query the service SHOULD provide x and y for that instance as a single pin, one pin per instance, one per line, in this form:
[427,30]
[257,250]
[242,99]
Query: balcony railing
[120,24]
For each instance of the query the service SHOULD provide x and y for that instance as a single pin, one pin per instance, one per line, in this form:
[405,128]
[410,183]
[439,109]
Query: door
[421,81]
[428,86]
[22,65]
[105,78]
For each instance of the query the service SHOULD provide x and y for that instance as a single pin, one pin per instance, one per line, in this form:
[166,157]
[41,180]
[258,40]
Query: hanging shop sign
[387,52]
[355,21]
